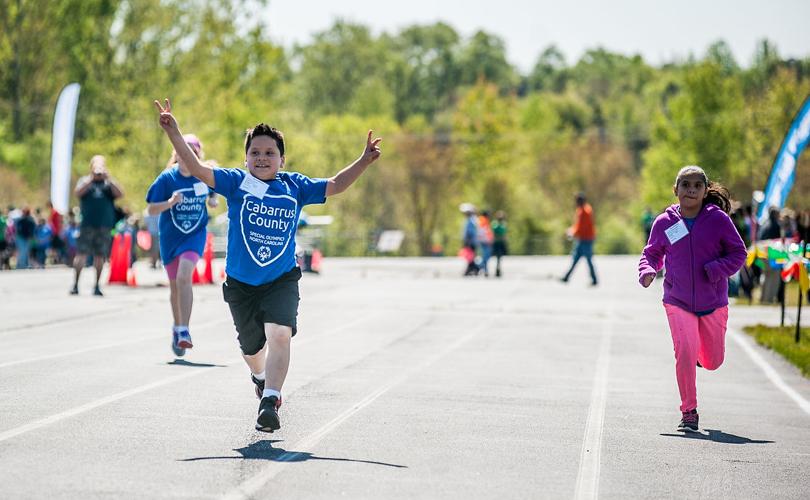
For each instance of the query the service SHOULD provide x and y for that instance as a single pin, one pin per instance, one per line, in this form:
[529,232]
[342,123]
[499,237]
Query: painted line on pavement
[100,347]
[131,392]
[78,351]
[38,424]
[254,484]
[770,372]
[590,457]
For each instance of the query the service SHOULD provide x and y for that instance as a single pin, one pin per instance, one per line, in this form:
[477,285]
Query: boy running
[264,205]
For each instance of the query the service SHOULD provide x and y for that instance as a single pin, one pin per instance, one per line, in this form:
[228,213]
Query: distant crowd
[36,237]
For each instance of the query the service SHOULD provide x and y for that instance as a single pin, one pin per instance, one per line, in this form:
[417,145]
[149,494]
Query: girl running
[701,249]
[264,205]
[180,199]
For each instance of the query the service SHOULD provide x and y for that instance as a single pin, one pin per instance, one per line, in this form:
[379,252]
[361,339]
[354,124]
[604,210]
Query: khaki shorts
[94,241]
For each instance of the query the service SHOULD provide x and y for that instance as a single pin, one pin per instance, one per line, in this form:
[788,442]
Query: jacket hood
[674,210]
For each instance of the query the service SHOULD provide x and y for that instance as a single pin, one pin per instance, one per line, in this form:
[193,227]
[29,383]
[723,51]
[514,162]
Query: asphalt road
[407,381]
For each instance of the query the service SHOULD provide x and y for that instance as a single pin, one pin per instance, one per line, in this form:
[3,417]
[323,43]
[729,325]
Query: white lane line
[590,456]
[770,372]
[99,347]
[79,351]
[38,424]
[121,395]
[26,328]
[254,484]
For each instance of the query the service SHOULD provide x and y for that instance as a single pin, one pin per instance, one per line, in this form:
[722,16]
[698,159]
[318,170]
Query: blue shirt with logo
[182,227]
[261,232]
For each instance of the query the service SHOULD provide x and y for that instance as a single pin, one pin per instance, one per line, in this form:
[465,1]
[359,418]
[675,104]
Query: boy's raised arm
[169,124]
[346,177]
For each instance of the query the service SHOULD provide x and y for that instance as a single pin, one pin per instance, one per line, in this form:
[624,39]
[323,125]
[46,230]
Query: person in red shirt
[57,244]
[584,233]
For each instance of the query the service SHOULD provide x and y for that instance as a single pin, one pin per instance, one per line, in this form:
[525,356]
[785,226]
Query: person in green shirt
[499,248]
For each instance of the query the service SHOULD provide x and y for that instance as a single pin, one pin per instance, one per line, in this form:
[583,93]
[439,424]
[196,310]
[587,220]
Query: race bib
[253,186]
[676,232]
[267,225]
[200,189]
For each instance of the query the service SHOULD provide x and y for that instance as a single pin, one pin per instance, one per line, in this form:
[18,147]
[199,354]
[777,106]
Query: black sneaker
[74,290]
[97,292]
[689,422]
[267,420]
[259,386]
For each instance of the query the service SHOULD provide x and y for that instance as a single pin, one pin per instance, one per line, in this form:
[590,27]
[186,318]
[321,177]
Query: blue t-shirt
[182,227]
[689,222]
[261,232]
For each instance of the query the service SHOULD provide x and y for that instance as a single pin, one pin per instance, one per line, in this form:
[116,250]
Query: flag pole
[801,293]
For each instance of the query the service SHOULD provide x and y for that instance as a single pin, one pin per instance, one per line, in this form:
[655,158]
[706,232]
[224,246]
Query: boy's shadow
[183,362]
[718,437]
[264,450]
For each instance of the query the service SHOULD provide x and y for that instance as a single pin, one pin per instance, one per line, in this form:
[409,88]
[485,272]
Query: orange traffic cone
[118,261]
[131,280]
[195,276]
[204,270]
[315,263]
[208,260]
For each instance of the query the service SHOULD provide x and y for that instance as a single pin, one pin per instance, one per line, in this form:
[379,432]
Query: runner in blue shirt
[180,199]
[263,210]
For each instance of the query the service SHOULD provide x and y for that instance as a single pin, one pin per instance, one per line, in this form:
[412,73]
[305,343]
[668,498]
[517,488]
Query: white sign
[390,241]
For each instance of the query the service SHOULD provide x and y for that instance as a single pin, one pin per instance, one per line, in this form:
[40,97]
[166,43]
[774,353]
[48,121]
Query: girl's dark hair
[264,129]
[718,195]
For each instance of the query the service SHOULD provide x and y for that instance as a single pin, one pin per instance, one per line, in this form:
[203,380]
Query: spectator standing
[499,246]
[485,240]
[584,233]
[24,228]
[42,242]
[469,238]
[96,192]
[57,241]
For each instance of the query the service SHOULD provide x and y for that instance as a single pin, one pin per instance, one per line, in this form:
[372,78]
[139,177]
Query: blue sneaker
[176,349]
[184,339]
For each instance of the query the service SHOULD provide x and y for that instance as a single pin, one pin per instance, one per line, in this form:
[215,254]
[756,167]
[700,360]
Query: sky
[659,31]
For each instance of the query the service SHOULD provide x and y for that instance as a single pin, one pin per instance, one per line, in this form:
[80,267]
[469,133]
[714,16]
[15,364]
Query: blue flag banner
[784,167]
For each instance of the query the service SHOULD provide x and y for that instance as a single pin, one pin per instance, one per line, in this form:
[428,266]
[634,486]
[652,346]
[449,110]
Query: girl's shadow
[718,437]
[183,362]
[264,450]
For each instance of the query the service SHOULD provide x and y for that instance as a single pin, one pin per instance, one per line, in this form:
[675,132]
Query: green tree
[483,57]
[549,72]
[335,65]
[701,126]
[424,70]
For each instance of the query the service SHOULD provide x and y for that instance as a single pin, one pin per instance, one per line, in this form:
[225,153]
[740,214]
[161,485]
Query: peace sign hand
[372,151]
[166,120]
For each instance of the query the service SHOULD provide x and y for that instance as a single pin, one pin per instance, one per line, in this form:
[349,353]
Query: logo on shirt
[267,226]
[186,216]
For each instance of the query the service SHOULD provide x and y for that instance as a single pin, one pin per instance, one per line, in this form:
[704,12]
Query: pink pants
[695,339]
[171,267]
